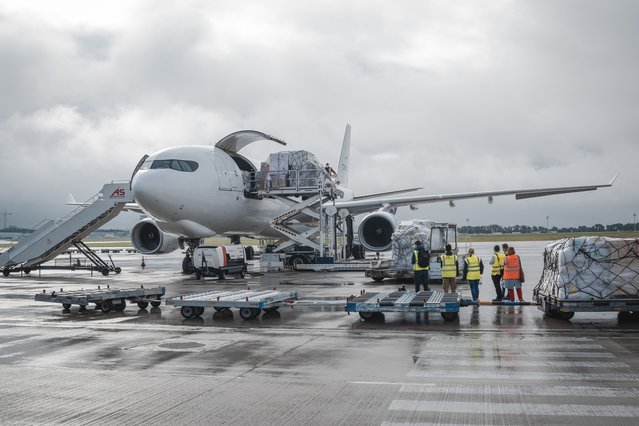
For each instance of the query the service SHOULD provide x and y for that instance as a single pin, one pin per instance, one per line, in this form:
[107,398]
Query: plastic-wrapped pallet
[293,168]
[591,268]
[403,241]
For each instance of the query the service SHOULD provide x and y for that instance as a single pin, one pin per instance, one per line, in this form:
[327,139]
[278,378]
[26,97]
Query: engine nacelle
[147,238]
[376,229]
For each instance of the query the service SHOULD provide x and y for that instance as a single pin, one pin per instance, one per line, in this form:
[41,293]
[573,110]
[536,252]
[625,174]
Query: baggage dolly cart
[373,305]
[565,309]
[250,303]
[105,299]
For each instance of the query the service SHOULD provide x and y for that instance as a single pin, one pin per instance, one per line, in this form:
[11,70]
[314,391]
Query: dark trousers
[497,284]
[421,279]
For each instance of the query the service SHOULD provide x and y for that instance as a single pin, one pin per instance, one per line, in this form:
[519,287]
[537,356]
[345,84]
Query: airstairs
[52,237]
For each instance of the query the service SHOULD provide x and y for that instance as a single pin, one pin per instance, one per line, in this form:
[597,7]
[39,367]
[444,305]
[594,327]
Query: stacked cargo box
[591,268]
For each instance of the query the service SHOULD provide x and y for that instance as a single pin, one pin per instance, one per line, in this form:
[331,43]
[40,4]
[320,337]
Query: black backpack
[423,258]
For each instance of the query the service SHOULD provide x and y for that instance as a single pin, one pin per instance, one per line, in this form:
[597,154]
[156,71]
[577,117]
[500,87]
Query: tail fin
[342,168]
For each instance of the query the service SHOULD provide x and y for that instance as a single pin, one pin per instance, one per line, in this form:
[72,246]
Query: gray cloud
[453,97]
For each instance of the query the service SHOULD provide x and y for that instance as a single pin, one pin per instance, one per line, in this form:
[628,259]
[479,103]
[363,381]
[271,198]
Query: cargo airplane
[194,192]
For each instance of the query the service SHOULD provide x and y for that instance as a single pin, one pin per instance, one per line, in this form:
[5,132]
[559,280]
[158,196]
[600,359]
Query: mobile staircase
[52,237]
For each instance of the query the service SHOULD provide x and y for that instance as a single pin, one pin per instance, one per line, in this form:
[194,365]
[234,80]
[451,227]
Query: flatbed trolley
[105,299]
[565,309]
[373,305]
[250,303]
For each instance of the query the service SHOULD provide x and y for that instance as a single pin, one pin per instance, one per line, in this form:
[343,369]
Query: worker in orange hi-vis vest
[513,275]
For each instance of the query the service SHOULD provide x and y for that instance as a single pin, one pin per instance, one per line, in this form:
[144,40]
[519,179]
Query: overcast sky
[453,96]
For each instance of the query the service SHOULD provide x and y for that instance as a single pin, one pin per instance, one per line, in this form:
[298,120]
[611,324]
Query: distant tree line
[475,229]
[525,229]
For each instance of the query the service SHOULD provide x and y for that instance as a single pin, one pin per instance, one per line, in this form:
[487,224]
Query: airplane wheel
[83,308]
[105,271]
[221,275]
[378,279]
[118,270]
[188,312]
[359,252]
[187,269]
[143,305]
[66,306]
[27,271]
[242,273]
[105,306]
[6,272]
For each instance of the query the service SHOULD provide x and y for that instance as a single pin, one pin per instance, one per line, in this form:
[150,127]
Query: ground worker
[513,275]
[497,271]
[450,270]
[330,173]
[473,268]
[421,264]
[504,250]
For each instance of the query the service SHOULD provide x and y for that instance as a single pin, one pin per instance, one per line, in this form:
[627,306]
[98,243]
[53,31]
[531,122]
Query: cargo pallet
[105,299]
[373,305]
[250,303]
[565,309]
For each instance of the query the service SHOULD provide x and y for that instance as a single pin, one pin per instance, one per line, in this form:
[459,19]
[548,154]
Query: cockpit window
[179,165]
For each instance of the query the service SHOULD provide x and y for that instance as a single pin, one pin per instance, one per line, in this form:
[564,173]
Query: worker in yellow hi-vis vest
[450,270]
[421,264]
[473,268]
[497,272]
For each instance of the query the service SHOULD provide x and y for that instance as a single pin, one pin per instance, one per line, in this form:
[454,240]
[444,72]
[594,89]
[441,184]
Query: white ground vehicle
[219,261]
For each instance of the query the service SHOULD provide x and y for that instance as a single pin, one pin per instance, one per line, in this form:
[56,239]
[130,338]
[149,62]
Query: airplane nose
[148,191]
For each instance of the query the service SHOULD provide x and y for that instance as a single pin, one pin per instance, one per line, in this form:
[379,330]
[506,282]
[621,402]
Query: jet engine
[147,238]
[375,231]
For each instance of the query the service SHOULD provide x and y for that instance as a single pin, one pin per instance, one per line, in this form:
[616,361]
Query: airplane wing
[234,142]
[364,206]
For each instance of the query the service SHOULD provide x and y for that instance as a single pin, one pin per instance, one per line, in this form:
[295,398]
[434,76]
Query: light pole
[5,213]
[547,217]
[634,227]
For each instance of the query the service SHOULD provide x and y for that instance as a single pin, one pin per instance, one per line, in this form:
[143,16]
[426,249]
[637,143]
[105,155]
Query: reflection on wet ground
[313,364]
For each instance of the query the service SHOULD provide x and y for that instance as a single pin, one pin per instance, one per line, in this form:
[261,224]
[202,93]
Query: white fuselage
[202,202]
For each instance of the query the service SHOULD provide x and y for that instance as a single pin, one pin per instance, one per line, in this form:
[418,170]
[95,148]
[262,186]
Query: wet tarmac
[310,365]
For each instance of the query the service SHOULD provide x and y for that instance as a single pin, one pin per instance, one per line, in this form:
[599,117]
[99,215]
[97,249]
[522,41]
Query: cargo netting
[403,240]
[591,268]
